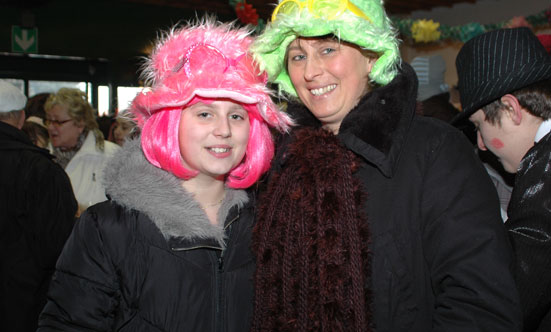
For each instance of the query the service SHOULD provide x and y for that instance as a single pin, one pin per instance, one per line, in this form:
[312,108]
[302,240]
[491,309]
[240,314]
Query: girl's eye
[203,114]
[237,117]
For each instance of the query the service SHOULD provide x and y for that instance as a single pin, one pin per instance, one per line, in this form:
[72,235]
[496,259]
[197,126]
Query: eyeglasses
[55,123]
[326,9]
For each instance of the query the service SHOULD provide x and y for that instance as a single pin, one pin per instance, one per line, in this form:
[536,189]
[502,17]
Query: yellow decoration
[425,31]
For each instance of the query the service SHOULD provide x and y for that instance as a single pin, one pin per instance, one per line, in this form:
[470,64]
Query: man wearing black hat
[37,211]
[505,88]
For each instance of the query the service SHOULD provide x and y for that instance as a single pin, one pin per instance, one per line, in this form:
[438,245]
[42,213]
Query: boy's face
[502,139]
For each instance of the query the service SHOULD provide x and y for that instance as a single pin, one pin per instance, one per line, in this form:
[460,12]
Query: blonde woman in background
[78,144]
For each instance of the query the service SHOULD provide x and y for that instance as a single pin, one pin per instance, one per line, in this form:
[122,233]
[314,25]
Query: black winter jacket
[37,213]
[441,259]
[149,259]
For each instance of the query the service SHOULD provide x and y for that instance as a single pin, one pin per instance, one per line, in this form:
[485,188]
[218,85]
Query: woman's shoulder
[111,148]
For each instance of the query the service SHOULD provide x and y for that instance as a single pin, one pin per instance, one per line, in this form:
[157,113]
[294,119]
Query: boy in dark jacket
[505,86]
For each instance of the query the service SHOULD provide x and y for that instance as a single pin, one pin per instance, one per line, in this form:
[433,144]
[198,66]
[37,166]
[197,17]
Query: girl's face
[213,137]
[122,130]
[329,76]
[63,130]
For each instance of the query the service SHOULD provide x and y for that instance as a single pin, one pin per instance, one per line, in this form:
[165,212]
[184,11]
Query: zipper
[219,272]
[218,268]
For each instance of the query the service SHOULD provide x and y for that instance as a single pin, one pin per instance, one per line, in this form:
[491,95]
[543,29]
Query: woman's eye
[298,57]
[328,50]
[203,114]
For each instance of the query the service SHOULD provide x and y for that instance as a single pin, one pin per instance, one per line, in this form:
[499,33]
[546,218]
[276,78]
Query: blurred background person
[78,144]
[124,128]
[35,106]
[37,132]
[37,211]
[34,122]
[434,92]
[106,123]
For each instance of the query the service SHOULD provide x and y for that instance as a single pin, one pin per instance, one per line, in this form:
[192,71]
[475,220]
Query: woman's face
[122,130]
[63,131]
[329,76]
[213,137]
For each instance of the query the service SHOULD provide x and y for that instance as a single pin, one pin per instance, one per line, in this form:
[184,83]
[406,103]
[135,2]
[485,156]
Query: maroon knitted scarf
[311,242]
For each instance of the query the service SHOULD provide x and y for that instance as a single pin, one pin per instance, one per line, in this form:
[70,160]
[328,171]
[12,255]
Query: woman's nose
[312,68]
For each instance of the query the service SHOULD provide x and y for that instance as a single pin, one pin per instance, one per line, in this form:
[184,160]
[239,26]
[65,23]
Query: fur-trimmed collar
[376,128]
[133,182]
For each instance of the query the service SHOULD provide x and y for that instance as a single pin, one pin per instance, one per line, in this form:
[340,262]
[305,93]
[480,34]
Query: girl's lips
[219,151]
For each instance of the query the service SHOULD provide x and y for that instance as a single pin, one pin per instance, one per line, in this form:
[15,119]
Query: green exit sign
[24,40]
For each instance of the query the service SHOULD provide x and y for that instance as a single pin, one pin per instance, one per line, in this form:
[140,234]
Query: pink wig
[204,62]
[161,147]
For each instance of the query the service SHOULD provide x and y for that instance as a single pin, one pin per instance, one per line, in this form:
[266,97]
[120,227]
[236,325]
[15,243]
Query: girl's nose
[222,127]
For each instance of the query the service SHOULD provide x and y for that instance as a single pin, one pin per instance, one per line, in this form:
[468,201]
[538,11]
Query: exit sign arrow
[24,40]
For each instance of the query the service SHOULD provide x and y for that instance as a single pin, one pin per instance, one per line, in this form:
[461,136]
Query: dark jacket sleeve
[84,291]
[465,243]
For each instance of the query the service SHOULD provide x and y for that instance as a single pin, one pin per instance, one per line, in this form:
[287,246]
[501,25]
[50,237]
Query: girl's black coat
[149,260]
[440,252]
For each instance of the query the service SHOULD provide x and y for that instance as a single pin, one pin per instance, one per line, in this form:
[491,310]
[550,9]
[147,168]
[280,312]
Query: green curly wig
[376,34]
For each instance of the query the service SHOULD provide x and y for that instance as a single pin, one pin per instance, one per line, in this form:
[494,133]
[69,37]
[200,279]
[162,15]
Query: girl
[170,250]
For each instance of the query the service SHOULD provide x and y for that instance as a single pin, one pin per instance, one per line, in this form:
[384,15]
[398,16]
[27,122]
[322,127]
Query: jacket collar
[376,128]
[134,183]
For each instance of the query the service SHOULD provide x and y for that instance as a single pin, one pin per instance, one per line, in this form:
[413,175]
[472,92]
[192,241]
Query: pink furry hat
[207,59]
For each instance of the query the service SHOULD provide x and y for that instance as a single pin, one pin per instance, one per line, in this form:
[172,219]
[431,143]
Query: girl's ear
[512,108]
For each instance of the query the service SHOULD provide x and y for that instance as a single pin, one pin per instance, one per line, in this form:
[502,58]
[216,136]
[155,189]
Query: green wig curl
[376,34]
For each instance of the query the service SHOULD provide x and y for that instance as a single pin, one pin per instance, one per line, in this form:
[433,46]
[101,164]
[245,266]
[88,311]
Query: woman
[373,218]
[170,251]
[78,144]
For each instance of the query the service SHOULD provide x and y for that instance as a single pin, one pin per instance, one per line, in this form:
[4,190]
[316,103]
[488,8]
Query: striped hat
[499,62]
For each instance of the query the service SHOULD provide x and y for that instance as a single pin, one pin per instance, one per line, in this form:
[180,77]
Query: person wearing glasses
[78,144]
[373,218]
[171,251]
